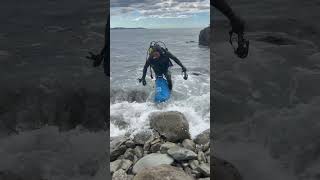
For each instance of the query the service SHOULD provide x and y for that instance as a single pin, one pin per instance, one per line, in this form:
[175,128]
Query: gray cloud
[162,9]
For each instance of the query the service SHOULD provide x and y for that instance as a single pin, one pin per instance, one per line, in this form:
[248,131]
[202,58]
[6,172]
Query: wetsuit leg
[168,77]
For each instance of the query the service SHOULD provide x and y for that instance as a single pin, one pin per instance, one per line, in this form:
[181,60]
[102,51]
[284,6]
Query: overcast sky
[160,13]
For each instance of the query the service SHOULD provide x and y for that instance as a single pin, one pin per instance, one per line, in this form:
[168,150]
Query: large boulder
[151,160]
[162,172]
[204,37]
[172,125]
[203,138]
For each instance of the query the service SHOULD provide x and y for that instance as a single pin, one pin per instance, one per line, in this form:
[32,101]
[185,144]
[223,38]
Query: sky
[160,14]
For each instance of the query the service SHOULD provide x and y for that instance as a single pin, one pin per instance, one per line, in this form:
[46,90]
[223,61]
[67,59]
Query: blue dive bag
[162,90]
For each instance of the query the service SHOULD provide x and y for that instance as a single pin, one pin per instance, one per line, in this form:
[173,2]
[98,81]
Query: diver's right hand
[143,81]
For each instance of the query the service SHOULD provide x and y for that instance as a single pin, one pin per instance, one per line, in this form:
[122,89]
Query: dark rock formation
[204,37]
[172,125]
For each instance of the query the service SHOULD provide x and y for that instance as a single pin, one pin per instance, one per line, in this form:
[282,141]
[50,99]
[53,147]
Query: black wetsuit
[161,66]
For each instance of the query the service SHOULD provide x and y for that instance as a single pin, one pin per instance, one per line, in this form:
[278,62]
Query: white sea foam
[191,97]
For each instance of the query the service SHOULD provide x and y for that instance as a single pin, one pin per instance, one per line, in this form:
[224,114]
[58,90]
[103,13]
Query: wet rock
[166,146]
[203,137]
[117,147]
[115,165]
[196,173]
[189,144]
[129,154]
[152,160]
[142,137]
[135,159]
[155,148]
[130,144]
[126,164]
[204,169]
[138,151]
[194,164]
[181,154]
[206,147]
[123,164]
[147,145]
[119,175]
[163,172]
[201,157]
[172,125]
[188,170]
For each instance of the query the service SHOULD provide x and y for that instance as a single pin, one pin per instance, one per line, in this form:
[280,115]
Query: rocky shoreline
[165,151]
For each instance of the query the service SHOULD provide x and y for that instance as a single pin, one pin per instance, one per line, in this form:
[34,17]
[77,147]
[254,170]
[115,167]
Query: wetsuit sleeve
[145,68]
[224,7]
[171,56]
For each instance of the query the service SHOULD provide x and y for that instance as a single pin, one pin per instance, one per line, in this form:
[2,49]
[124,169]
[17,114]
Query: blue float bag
[162,90]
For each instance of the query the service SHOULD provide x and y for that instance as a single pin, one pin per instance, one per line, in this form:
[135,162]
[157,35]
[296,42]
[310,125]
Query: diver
[159,59]
[237,24]
[103,55]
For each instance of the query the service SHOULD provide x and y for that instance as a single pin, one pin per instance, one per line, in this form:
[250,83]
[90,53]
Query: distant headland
[128,28]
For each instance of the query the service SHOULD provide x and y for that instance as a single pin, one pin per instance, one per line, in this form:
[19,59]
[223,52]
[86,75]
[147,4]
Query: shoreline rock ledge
[165,151]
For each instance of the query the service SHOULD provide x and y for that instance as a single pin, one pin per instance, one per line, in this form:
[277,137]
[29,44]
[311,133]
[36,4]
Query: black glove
[237,25]
[143,81]
[97,58]
[184,69]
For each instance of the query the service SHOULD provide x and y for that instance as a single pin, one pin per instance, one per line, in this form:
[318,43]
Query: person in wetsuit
[159,60]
